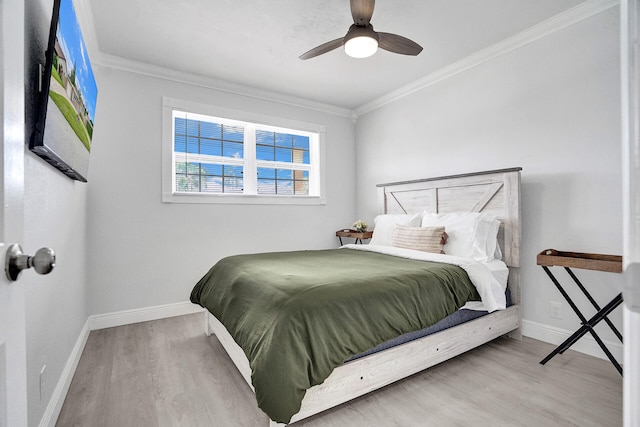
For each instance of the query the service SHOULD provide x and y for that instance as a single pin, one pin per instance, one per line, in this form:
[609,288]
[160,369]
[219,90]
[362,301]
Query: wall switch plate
[555,309]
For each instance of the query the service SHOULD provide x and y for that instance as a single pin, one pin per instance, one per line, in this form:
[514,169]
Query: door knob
[42,262]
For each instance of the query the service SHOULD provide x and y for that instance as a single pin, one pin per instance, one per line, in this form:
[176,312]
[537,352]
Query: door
[630,78]
[13,384]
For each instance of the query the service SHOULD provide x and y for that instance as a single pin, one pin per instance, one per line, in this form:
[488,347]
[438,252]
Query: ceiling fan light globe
[361,47]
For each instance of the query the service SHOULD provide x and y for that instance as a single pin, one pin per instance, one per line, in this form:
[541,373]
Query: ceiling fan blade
[362,10]
[323,48]
[398,44]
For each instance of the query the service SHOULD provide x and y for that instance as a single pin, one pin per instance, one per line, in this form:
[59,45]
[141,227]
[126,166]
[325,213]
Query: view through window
[214,155]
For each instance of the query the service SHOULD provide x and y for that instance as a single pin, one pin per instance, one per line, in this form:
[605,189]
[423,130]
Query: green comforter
[299,315]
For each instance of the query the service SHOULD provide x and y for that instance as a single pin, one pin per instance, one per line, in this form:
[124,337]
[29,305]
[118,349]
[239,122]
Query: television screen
[67,100]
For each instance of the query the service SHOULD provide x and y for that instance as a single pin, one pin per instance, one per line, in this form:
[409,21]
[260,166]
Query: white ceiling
[256,43]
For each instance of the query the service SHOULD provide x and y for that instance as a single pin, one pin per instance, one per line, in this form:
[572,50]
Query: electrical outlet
[555,309]
[43,381]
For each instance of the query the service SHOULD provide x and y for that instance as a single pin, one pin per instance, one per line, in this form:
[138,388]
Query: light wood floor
[168,373]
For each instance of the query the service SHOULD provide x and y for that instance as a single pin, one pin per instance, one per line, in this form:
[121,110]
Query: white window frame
[277,124]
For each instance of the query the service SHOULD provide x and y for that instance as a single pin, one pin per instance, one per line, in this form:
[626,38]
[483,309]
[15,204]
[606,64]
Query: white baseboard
[127,317]
[556,336]
[102,321]
[51,413]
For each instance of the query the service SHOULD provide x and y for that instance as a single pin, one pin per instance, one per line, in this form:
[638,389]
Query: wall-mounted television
[66,105]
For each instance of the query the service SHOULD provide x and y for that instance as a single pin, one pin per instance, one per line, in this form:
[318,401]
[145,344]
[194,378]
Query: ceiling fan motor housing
[361,31]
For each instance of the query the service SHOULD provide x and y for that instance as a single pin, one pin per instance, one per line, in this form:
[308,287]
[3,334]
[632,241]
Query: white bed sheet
[489,278]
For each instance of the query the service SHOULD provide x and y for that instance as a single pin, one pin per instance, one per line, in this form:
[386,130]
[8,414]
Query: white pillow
[471,234]
[384,225]
[498,253]
[492,247]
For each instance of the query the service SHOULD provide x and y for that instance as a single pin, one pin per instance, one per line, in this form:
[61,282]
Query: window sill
[244,199]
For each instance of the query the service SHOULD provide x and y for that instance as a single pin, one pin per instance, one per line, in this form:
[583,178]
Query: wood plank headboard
[496,192]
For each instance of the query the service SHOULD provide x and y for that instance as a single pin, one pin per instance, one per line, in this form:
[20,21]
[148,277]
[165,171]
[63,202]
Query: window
[283,162]
[208,155]
[221,159]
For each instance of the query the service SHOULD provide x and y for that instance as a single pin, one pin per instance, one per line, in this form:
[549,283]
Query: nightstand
[568,260]
[354,235]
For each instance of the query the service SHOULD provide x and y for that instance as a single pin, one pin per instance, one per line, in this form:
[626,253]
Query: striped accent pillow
[426,239]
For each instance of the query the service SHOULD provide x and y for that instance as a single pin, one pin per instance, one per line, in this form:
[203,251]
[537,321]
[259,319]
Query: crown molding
[122,64]
[541,30]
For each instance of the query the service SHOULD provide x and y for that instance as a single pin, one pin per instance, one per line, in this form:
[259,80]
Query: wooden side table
[609,263]
[354,235]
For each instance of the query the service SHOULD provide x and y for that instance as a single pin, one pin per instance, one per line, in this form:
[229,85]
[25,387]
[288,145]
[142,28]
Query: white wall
[145,253]
[551,107]
[55,216]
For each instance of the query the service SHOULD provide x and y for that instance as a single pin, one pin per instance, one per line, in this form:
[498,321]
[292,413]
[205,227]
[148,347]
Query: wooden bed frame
[497,192]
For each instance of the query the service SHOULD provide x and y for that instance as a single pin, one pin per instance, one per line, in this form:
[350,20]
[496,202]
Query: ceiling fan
[362,41]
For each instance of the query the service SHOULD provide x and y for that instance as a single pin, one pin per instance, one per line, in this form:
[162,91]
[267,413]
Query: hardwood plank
[168,373]
[88,390]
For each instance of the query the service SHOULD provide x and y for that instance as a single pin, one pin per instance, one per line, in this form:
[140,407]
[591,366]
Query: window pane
[284,140]
[266,173]
[264,137]
[209,178]
[211,147]
[266,186]
[181,126]
[193,145]
[283,181]
[180,144]
[211,184]
[298,156]
[301,182]
[211,169]
[186,182]
[302,187]
[193,168]
[301,175]
[283,155]
[208,138]
[301,142]
[233,185]
[192,183]
[265,153]
[233,170]
[285,187]
[181,168]
[182,179]
[233,149]
[233,182]
[284,174]
[192,127]
[182,183]
[233,133]
[210,130]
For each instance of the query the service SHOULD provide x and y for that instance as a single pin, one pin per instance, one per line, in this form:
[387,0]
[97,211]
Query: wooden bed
[496,192]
